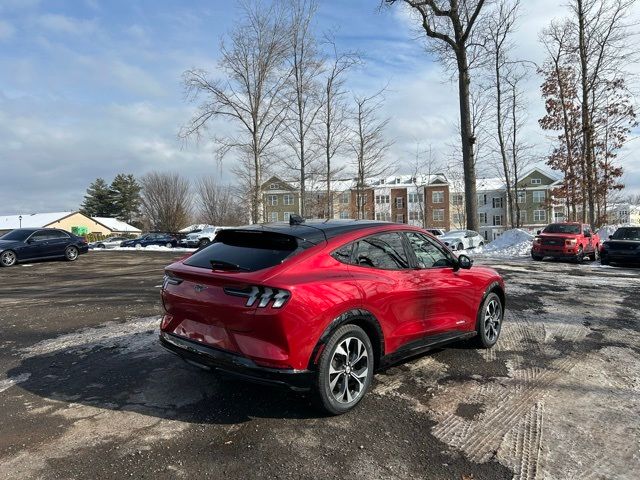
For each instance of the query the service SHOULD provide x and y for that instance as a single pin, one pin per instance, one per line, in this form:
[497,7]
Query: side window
[343,254]
[428,253]
[58,235]
[385,251]
[40,236]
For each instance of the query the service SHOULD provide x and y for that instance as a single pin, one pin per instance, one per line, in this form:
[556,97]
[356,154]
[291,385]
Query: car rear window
[246,250]
[627,234]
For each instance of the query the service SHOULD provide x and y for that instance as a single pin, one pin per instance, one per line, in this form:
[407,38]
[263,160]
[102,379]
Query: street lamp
[20,219]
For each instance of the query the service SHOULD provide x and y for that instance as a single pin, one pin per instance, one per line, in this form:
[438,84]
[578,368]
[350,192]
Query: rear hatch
[217,290]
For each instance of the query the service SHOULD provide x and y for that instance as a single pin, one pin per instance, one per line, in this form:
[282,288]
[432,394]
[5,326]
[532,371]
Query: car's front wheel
[169,245]
[460,247]
[345,370]
[71,253]
[489,322]
[203,242]
[8,258]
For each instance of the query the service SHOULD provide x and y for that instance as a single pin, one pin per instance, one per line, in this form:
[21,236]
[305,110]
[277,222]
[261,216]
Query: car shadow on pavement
[153,382]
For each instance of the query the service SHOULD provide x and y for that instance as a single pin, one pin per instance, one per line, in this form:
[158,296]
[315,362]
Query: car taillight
[570,242]
[170,278]
[261,295]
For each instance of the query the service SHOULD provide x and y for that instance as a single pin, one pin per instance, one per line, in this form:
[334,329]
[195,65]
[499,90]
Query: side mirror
[610,237]
[587,235]
[539,232]
[464,262]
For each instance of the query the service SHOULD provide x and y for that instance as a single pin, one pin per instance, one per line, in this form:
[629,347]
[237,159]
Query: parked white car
[462,239]
[110,242]
[200,239]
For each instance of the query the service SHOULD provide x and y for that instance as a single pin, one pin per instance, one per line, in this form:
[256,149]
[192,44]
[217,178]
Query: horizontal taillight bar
[261,295]
[170,279]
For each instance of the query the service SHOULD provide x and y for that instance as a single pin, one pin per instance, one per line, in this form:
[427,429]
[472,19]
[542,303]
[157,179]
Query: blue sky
[92,88]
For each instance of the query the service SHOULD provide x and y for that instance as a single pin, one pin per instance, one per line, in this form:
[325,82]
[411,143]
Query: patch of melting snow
[134,336]
[11,381]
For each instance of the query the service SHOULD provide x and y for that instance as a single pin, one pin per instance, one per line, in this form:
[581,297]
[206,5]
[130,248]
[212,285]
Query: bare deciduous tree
[451,24]
[219,204]
[368,144]
[166,201]
[252,93]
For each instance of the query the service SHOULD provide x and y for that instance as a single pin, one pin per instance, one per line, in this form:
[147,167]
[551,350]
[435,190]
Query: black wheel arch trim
[357,316]
[493,287]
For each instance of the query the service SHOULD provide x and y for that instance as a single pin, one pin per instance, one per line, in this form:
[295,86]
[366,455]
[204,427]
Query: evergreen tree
[98,202]
[126,197]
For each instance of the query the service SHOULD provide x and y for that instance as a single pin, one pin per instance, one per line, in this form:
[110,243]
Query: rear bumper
[236,365]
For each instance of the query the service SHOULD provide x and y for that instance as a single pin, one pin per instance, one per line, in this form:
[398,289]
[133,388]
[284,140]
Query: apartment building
[280,200]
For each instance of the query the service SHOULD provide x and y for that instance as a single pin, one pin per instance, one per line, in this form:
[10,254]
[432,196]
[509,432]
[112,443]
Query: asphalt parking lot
[86,391]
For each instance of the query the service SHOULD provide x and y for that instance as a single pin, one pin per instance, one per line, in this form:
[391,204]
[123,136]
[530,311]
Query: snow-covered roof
[485,184]
[34,220]
[197,226]
[116,225]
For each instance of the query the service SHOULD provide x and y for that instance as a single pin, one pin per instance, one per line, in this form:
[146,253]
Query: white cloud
[64,24]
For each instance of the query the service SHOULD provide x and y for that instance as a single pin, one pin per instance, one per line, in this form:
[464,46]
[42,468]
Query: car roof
[315,231]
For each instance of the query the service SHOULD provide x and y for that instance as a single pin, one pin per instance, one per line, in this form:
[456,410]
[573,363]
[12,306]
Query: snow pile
[149,248]
[607,230]
[512,243]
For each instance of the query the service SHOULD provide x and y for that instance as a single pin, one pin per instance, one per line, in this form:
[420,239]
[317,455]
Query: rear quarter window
[246,251]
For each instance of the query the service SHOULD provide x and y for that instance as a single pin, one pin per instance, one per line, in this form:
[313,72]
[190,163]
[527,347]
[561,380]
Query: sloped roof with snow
[34,220]
[116,225]
[493,183]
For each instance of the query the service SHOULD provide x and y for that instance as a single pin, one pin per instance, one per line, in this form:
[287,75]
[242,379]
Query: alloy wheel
[492,320]
[72,253]
[8,258]
[348,370]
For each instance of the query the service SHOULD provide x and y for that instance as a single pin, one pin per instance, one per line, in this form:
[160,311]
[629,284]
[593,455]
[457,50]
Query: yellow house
[69,221]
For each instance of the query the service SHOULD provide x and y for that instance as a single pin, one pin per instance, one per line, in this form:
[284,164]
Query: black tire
[71,253]
[169,245]
[326,394]
[580,255]
[593,256]
[536,258]
[203,242]
[604,261]
[488,336]
[8,258]
[138,245]
[481,244]
[460,247]
[101,245]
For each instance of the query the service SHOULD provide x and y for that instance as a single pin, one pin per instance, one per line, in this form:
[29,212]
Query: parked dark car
[164,239]
[39,243]
[623,247]
[323,304]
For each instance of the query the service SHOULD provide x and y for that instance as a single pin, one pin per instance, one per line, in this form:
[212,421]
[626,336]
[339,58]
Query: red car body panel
[408,304]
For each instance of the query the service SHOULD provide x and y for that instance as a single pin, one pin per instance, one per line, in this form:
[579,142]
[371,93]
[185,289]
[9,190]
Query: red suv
[322,305]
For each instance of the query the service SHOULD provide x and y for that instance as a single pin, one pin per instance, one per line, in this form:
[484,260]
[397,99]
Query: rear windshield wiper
[221,265]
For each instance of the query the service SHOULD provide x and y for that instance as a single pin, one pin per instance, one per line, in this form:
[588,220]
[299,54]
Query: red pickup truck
[566,240]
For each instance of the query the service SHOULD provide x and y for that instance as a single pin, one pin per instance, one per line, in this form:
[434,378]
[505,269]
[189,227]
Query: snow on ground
[512,243]
[150,248]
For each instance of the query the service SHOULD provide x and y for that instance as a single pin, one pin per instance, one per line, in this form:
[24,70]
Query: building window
[287,199]
[438,215]
[523,217]
[536,181]
[273,186]
[437,197]
[415,215]
[272,200]
[383,216]
[344,214]
[497,220]
[539,216]
[482,218]
[457,199]
[287,216]
[345,197]
[458,218]
[482,199]
[416,198]
[362,199]
[497,202]
[522,196]
[399,202]
[273,216]
[382,199]
[399,218]
[538,196]
[559,216]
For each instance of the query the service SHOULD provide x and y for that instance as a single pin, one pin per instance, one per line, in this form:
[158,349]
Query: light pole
[20,219]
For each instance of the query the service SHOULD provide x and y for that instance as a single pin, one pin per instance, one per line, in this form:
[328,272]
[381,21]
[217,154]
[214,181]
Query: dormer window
[536,181]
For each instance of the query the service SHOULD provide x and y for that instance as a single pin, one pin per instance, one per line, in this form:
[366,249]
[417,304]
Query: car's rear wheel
[71,253]
[345,370]
[203,242]
[101,245]
[169,245]
[8,258]
[580,255]
[138,245]
[489,324]
[460,247]
[593,256]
